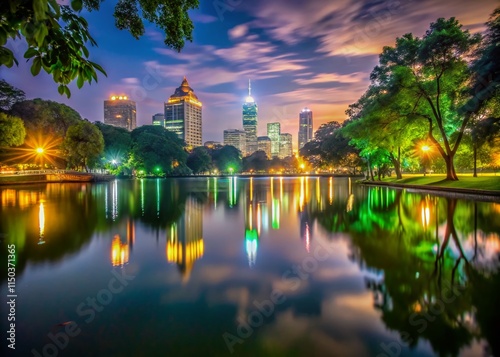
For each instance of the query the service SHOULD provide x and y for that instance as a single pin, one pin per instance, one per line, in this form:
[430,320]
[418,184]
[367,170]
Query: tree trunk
[450,168]
[396,162]
[475,160]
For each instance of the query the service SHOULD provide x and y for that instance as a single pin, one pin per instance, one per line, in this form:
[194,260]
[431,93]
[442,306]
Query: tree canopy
[83,144]
[57,35]
[12,132]
[9,96]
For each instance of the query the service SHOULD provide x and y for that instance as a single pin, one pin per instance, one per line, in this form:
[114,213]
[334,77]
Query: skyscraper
[286,146]
[236,138]
[305,127]
[159,119]
[183,114]
[250,122]
[120,111]
[273,132]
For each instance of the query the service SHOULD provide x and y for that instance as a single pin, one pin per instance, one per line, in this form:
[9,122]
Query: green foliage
[227,157]
[117,142]
[57,36]
[156,150]
[83,144]
[256,162]
[12,132]
[199,160]
[9,95]
[45,117]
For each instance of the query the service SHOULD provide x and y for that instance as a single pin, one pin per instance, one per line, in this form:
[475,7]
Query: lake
[263,266]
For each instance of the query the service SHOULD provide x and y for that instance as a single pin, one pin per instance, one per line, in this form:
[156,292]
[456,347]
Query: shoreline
[471,193]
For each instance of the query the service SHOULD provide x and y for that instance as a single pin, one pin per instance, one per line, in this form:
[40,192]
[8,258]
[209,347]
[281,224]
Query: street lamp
[40,151]
[231,170]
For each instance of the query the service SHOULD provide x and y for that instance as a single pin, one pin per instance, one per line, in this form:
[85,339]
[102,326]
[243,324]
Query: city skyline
[324,65]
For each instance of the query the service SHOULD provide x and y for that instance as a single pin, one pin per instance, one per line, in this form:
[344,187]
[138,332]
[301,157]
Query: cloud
[238,31]
[333,77]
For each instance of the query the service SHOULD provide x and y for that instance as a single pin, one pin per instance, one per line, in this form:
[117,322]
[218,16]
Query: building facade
[305,127]
[273,132]
[264,144]
[183,115]
[120,111]
[159,119]
[250,122]
[236,138]
[286,145]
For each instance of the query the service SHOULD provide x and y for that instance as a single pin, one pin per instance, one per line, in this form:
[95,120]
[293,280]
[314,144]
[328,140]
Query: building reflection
[185,239]
[306,231]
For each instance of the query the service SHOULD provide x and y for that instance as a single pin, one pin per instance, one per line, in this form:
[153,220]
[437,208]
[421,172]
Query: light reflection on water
[262,266]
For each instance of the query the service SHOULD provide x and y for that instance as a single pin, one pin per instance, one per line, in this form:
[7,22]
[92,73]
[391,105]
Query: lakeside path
[485,186]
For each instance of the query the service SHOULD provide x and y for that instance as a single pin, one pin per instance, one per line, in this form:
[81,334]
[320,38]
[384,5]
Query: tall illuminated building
[120,111]
[286,146]
[236,138]
[185,238]
[250,122]
[159,119]
[183,115]
[273,132]
[305,127]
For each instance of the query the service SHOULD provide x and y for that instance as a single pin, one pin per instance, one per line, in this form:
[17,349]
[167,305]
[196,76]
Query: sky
[315,53]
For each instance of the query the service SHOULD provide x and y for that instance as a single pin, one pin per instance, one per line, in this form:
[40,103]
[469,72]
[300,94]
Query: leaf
[60,89]
[76,5]
[30,52]
[79,81]
[36,66]
[67,91]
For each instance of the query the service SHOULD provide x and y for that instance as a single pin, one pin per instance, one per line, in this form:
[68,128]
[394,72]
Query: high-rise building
[273,132]
[120,111]
[305,127]
[286,146]
[183,114]
[236,138]
[264,144]
[159,119]
[250,122]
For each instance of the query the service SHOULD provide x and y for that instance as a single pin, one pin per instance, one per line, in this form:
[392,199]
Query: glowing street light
[39,150]
[231,170]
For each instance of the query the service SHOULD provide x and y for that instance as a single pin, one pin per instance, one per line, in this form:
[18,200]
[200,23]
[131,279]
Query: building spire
[249,88]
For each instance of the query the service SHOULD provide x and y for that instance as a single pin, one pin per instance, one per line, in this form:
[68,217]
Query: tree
[156,150]
[199,160]
[256,162]
[431,75]
[46,118]
[117,142]
[227,157]
[12,132]
[57,35]
[83,144]
[9,96]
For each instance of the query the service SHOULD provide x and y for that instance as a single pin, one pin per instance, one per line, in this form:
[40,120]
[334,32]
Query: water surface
[250,267]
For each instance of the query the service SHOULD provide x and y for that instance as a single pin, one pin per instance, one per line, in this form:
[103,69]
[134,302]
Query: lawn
[483,182]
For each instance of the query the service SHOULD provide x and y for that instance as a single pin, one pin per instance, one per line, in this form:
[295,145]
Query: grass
[483,182]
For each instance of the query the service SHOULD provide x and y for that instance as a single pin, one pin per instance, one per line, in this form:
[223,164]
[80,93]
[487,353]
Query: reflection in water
[41,223]
[185,239]
[430,264]
[119,252]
